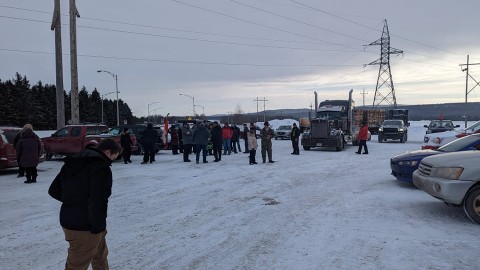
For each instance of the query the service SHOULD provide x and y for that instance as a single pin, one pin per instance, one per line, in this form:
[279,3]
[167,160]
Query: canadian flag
[441,116]
[165,132]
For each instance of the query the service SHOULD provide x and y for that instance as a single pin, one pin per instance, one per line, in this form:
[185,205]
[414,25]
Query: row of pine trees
[21,103]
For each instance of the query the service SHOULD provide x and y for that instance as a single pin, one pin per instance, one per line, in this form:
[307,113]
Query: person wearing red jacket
[227,136]
[362,139]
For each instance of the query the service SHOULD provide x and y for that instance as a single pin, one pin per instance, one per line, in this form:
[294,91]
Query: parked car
[283,132]
[394,129]
[403,165]
[453,178]
[440,126]
[435,140]
[8,154]
[74,138]
[137,131]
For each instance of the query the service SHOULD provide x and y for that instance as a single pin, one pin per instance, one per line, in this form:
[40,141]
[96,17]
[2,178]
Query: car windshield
[440,124]
[10,134]
[473,128]
[326,114]
[459,144]
[392,123]
[284,128]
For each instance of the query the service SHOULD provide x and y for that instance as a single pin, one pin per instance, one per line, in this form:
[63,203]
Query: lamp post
[148,109]
[203,109]
[116,90]
[103,96]
[193,99]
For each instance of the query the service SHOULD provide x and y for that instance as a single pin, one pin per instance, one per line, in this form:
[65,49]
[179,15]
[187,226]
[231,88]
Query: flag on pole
[165,132]
[441,116]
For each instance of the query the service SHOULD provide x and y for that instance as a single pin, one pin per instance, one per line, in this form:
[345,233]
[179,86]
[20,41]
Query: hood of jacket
[77,162]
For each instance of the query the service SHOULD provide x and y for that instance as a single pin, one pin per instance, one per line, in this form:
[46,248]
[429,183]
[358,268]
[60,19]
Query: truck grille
[390,130]
[320,129]
[425,168]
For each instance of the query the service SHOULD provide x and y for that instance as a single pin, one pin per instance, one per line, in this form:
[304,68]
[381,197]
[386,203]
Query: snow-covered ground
[319,210]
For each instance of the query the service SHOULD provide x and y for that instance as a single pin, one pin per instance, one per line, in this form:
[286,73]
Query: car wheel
[471,205]
[139,150]
[48,155]
[341,145]
[306,148]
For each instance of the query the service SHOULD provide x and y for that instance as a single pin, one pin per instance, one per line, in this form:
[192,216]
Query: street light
[148,109]
[116,90]
[193,99]
[203,108]
[103,96]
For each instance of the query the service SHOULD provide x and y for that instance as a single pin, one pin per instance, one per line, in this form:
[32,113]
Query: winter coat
[227,133]
[245,131]
[173,136]
[266,134]
[363,133]
[200,136]
[217,135]
[149,135]
[28,149]
[295,133]
[126,140]
[235,134]
[84,185]
[187,135]
[252,141]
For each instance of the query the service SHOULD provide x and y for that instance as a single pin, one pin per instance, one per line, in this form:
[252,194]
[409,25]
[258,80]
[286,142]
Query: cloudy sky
[227,53]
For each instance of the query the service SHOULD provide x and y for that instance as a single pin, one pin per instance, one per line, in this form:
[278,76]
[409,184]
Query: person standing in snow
[294,135]
[28,150]
[266,135]
[200,138]
[252,145]
[245,138]
[217,141]
[174,141]
[187,138]
[362,139]
[21,170]
[149,138]
[126,143]
[84,185]
[226,136]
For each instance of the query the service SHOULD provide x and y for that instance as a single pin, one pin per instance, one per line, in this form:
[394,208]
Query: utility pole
[60,99]
[73,63]
[466,83]
[257,100]
[363,93]
[384,72]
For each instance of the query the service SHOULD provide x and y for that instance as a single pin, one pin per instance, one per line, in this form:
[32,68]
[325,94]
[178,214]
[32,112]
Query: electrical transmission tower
[384,90]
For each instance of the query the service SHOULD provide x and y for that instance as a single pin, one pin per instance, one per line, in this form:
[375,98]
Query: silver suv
[283,132]
[453,178]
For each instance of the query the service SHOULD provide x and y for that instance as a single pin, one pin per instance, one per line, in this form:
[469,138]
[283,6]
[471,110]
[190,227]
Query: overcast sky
[226,53]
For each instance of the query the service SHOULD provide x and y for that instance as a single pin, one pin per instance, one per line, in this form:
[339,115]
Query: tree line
[22,103]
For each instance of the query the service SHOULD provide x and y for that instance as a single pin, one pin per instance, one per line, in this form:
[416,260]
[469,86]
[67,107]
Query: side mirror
[425,126]
[457,126]
[53,135]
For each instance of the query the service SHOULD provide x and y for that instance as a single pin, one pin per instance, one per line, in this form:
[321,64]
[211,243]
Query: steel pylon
[384,91]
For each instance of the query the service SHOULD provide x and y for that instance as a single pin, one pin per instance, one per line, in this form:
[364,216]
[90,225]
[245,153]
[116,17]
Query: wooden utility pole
[257,100]
[73,63]
[57,26]
[466,84]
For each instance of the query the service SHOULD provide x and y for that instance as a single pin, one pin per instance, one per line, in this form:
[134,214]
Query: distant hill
[451,111]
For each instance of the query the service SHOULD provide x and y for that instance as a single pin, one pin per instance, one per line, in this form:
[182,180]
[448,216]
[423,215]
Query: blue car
[404,164]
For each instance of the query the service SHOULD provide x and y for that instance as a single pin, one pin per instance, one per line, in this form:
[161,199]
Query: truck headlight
[400,130]
[408,163]
[447,172]
[380,129]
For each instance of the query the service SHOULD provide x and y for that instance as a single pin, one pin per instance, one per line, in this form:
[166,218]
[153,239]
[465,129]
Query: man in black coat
[84,185]
[245,132]
[149,138]
[294,134]
[217,141]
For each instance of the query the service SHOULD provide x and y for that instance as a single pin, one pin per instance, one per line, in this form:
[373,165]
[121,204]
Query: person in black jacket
[126,143]
[294,134]
[149,138]
[217,141]
[84,185]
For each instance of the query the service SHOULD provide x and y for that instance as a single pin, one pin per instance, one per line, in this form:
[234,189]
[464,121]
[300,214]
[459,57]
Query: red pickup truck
[74,138]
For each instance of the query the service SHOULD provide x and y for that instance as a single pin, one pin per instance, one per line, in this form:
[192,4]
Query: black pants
[175,149]
[187,148]
[252,156]
[364,144]
[246,145]
[127,153]
[149,152]
[21,170]
[31,173]
[217,151]
[296,151]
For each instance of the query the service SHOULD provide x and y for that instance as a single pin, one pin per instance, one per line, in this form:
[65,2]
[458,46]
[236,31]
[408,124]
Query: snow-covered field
[319,210]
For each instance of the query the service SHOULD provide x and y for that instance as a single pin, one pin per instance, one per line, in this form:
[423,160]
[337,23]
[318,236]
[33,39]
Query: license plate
[319,144]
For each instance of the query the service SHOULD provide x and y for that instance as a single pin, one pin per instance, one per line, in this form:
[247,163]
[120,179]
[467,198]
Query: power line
[180,61]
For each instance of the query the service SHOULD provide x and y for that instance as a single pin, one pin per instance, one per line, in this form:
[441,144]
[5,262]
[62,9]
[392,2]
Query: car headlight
[426,139]
[400,129]
[447,172]
[408,163]
[437,140]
